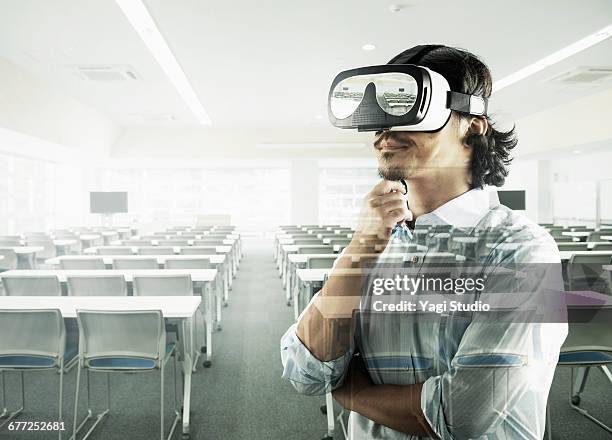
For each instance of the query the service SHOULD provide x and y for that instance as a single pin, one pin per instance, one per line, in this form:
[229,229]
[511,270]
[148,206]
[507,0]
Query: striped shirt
[481,380]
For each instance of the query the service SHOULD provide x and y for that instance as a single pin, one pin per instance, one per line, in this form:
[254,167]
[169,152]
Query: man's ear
[478,126]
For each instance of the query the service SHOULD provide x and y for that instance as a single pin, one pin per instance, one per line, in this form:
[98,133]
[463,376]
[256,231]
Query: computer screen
[108,202]
[512,199]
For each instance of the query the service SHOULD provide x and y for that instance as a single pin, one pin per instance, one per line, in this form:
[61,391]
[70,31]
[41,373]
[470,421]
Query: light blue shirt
[481,380]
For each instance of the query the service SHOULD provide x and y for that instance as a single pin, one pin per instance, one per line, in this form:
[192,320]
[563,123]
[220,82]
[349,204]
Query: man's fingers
[376,201]
[392,206]
[386,186]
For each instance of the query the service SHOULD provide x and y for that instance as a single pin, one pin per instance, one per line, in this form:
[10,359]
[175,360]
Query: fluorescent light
[553,58]
[368,47]
[142,22]
[313,146]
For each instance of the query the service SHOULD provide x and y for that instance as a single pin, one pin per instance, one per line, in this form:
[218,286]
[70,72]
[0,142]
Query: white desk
[577,234]
[606,237]
[176,307]
[26,255]
[589,244]
[62,246]
[287,249]
[88,240]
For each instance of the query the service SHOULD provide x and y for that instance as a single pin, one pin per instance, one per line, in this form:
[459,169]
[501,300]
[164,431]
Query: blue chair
[32,340]
[122,342]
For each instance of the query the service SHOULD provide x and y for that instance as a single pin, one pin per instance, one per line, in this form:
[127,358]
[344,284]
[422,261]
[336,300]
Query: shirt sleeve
[306,373]
[503,368]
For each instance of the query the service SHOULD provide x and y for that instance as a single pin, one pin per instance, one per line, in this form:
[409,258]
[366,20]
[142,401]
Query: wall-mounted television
[106,202]
[512,199]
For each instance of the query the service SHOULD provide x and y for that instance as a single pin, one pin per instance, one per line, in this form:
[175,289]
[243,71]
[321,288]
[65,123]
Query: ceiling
[268,64]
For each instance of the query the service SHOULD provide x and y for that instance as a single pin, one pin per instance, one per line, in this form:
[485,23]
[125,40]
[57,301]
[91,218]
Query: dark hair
[466,73]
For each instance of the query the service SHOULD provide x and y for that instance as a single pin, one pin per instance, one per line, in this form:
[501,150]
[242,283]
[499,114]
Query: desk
[606,237]
[582,235]
[88,240]
[287,249]
[177,307]
[26,255]
[204,277]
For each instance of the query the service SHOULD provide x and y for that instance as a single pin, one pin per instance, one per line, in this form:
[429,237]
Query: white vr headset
[397,97]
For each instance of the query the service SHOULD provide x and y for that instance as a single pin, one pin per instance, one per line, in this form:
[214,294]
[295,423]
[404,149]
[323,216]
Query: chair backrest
[190,263]
[10,237]
[199,250]
[155,250]
[174,242]
[586,268]
[209,242]
[602,247]
[314,240]
[162,285]
[321,262]
[10,242]
[588,337]
[316,250]
[135,263]
[596,235]
[39,285]
[97,285]
[47,245]
[117,250]
[32,333]
[340,241]
[94,263]
[10,259]
[139,242]
[563,238]
[576,246]
[132,334]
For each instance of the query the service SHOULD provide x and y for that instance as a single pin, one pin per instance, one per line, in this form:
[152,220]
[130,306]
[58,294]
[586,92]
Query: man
[446,376]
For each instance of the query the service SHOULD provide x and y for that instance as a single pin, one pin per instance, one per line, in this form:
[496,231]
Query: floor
[242,395]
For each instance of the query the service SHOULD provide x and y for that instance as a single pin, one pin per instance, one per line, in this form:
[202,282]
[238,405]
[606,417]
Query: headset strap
[464,103]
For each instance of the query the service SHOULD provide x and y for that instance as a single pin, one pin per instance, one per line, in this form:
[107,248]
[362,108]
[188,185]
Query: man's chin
[392,173]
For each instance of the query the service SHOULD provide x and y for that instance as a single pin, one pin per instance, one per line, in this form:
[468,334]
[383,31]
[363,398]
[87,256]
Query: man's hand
[384,207]
[357,379]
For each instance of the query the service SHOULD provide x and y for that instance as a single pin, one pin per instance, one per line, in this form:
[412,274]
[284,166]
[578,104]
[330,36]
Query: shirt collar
[464,211]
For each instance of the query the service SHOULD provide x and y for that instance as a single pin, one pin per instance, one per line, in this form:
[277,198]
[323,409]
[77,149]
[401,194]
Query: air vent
[106,73]
[583,75]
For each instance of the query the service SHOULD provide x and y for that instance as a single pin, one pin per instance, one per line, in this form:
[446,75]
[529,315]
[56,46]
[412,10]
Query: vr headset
[397,97]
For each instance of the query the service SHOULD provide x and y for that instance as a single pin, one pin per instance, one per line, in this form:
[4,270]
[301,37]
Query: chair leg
[575,396]
[4,410]
[177,414]
[61,394]
[161,403]
[99,416]
[11,415]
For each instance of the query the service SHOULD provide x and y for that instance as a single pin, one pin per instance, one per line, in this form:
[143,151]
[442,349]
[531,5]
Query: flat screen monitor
[108,202]
[512,199]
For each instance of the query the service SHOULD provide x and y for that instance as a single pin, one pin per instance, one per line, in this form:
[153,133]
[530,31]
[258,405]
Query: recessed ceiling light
[553,58]
[318,116]
[142,22]
[577,151]
[368,47]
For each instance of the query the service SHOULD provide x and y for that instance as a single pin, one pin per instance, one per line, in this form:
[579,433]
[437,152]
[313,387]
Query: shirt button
[414,259]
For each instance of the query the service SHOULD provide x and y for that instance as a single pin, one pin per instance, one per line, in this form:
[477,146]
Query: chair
[175,242]
[199,250]
[340,242]
[308,241]
[596,236]
[577,246]
[10,242]
[82,263]
[155,250]
[563,238]
[138,242]
[316,250]
[135,263]
[117,250]
[28,285]
[321,262]
[122,342]
[33,340]
[47,245]
[588,346]
[190,263]
[208,242]
[602,247]
[9,262]
[96,285]
[585,270]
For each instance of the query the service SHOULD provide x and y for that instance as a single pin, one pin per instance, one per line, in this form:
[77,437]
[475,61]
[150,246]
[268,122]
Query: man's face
[413,155]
